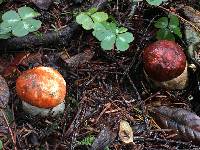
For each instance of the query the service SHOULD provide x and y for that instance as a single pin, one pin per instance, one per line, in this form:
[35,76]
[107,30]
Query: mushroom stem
[177,83]
[33,110]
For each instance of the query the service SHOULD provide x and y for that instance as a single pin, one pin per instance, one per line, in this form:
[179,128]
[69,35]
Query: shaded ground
[104,87]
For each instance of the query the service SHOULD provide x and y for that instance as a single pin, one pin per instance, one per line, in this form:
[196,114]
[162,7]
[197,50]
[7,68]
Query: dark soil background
[104,87]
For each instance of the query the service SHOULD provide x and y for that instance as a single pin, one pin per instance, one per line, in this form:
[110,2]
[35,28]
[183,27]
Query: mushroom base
[33,110]
[177,83]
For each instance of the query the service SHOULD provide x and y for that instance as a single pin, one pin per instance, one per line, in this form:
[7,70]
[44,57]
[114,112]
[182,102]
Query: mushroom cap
[164,60]
[43,87]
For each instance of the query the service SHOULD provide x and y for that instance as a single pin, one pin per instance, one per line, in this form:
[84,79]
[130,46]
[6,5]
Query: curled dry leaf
[185,123]
[125,132]
[42,4]
[76,60]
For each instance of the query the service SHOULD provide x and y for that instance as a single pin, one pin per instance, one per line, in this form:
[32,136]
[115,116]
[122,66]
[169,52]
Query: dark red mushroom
[166,65]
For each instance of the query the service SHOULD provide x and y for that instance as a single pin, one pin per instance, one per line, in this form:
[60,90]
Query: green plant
[168,27]
[19,23]
[88,141]
[1,145]
[155,2]
[107,32]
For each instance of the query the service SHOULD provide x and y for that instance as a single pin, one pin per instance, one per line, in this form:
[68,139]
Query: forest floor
[106,88]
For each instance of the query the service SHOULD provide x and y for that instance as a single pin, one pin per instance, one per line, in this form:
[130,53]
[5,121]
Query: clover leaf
[99,16]
[85,21]
[19,24]
[107,37]
[91,11]
[1,144]
[121,30]
[108,40]
[5,36]
[108,33]
[11,17]
[168,27]
[164,34]
[155,2]
[123,40]
[161,22]
[4,32]
[27,12]
[22,28]
[5,28]
[174,25]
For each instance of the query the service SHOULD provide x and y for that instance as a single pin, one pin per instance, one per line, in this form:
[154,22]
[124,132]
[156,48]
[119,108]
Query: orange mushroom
[42,91]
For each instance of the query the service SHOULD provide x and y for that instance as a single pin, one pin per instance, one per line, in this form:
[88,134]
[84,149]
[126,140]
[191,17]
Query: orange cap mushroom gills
[164,60]
[42,87]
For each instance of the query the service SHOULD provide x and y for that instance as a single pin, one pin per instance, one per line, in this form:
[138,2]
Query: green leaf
[174,22]
[87,140]
[164,34]
[20,30]
[126,37]
[123,40]
[5,36]
[121,30]
[98,34]
[1,1]
[11,17]
[121,45]
[99,17]
[161,22]
[91,11]
[110,26]
[176,31]
[1,145]
[32,25]
[155,2]
[27,12]
[174,25]
[108,39]
[99,26]
[85,21]
[5,28]
[107,45]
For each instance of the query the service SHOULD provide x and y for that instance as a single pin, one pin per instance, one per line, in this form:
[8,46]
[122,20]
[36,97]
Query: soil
[105,87]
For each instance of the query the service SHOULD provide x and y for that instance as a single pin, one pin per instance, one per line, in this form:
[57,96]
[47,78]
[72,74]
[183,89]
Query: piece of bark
[42,4]
[105,137]
[4,98]
[61,37]
[4,93]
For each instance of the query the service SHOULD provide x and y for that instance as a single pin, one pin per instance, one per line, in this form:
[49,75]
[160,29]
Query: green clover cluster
[168,27]
[108,33]
[19,23]
[155,2]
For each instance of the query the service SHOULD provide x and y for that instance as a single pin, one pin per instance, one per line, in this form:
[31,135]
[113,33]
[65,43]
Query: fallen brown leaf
[185,123]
